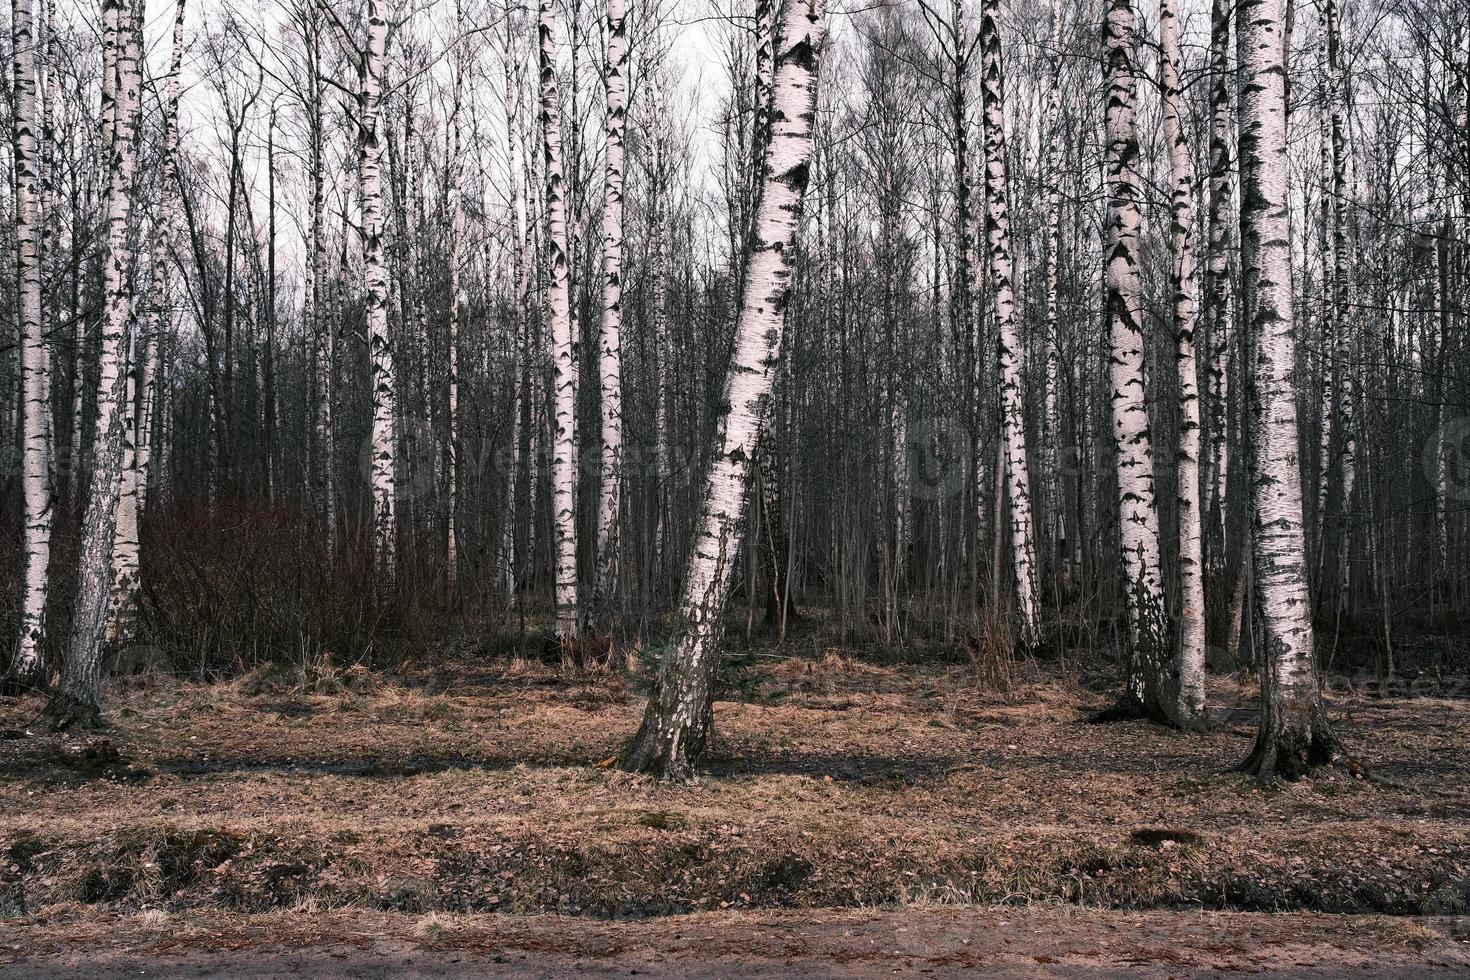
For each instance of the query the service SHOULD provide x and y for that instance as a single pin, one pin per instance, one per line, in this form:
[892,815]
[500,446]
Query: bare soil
[835,783]
[928,942]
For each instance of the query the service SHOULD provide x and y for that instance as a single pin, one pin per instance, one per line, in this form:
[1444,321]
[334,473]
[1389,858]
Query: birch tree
[315,314]
[1013,421]
[679,715]
[1294,734]
[76,702]
[1189,696]
[382,462]
[163,238]
[1059,558]
[125,558]
[455,206]
[35,476]
[610,356]
[1147,643]
[563,355]
[1216,291]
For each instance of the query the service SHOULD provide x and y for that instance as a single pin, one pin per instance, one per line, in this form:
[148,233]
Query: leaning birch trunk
[76,703]
[1294,735]
[610,357]
[27,665]
[563,359]
[382,472]
[1147,643]
[1187,700]
[1012,390]
[676,724]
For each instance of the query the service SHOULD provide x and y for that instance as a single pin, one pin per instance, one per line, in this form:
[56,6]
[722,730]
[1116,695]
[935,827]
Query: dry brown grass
[840,783]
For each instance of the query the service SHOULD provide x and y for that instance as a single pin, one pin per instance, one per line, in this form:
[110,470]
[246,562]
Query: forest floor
[448,797]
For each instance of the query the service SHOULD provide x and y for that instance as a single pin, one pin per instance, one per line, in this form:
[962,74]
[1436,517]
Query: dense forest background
[355,420]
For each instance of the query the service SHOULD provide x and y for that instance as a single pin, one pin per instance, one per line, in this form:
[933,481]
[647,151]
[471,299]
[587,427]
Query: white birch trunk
[1343,328]
[1216,296]
[76,702]
[1012,391]
[677,722]
[1294,735]
[125,526]
[610,356]
[43,33]
[35,475]
[382,473]
[1188,700]
[563,364]
[1138,514]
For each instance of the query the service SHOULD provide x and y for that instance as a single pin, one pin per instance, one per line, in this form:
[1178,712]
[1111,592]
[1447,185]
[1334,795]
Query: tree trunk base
[1125,710]
[1289,752]
[668,751]
[659,754]
[67,713]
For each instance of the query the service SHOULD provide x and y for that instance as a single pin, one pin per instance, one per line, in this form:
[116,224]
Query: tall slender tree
[1013,420]
[382,459]
[1187,700]
[677,722]
[1147,643]
[610,347]
[1294,734]
[455,207]
[27,663]
[76,702]
[563,353]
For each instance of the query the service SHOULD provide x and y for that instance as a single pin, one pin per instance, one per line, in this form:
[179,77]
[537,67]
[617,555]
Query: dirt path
[907,942]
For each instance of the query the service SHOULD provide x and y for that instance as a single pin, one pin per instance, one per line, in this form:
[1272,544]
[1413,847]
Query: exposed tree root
[1290,757]
[1123,711]
[65,713]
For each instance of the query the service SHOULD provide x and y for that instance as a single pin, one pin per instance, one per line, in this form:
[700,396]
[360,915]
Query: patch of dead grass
[871,786]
